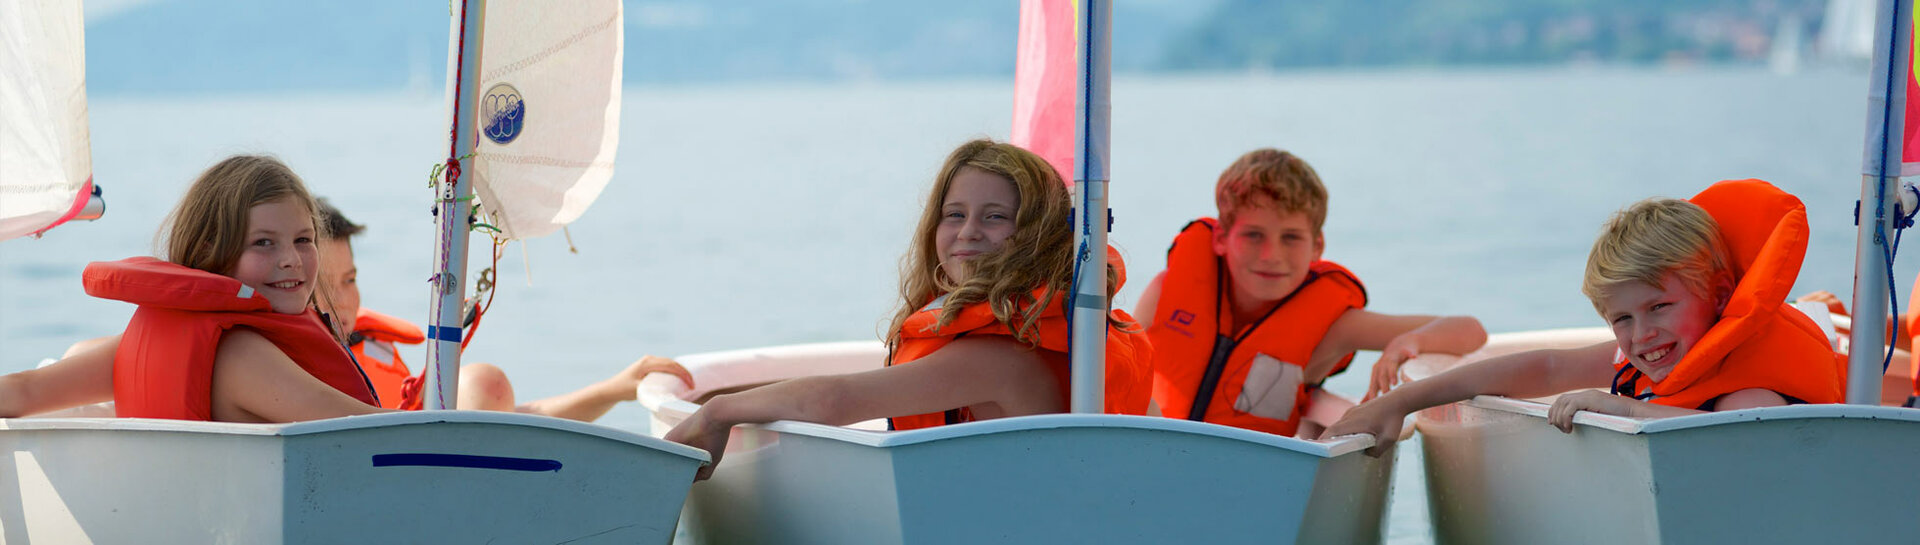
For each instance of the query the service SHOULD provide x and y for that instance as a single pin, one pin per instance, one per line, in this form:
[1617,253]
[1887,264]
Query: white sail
[46,168]
[1784,57]
[548,111]
[1846,32]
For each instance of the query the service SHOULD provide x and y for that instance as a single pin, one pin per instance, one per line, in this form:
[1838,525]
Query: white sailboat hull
[1498,473]
[1038,479]
[417,477]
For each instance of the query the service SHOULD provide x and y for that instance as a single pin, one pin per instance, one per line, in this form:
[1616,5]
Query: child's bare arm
[1143,312]
[83,376]
[1563,409]
[254,381]
[1526,374]
[1008,374]
[1446,335]
[1397,337]
[1561,414]
[1836,306]
[1149,300]
[966,372]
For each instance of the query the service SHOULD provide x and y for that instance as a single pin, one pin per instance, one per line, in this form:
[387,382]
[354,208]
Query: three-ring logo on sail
[502,114]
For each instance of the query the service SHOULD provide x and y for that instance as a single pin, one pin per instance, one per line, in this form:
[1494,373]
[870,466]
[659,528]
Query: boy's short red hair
[1270,177]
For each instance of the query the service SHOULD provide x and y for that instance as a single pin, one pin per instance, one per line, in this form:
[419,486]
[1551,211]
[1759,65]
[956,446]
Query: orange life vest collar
[1127,350]
[386,327]
[374,337]
[164,366]
[1759,341]
[1203,372]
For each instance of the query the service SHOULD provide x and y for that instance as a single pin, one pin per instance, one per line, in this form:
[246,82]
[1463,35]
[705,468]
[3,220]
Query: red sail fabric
[1910,128]
[1044,82]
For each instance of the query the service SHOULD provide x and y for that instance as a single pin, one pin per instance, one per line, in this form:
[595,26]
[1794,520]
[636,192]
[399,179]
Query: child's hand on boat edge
[1377,418]
[1564,407]
[699,431]
[1386,371]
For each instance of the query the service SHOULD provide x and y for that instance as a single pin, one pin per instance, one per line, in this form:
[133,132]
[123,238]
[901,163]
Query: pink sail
[1910,137]
[1043,82]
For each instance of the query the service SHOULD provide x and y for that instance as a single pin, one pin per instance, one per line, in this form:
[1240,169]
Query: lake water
[745,216]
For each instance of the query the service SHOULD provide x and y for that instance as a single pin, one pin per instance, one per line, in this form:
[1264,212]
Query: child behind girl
[981,331]
[372,336]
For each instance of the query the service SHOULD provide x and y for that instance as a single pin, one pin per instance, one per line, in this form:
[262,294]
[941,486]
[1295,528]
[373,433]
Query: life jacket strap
[1216,365]
[1625,388]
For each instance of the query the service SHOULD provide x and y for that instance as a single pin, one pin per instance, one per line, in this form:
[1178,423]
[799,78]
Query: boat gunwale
[666,397]
[677,409]
[1427,365]
[347,423]
[1645,426]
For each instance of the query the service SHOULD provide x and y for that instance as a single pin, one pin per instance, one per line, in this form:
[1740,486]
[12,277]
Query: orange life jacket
[164,366]
[1254,379]
[1911,321]
[1759,341]
[1127,350]
[374,336]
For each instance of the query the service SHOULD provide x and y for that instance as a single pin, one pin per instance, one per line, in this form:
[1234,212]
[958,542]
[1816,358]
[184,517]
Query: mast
[1886,109]
[453,215]
[1091,132]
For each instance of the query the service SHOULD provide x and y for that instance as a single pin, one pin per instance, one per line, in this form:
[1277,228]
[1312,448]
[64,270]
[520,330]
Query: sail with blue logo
[548,114]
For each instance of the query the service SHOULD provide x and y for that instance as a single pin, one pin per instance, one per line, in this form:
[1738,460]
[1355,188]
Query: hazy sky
[98,9]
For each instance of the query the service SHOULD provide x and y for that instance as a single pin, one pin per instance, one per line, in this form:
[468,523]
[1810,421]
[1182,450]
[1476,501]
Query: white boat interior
[409,477]
[1497,473]
[1051,478]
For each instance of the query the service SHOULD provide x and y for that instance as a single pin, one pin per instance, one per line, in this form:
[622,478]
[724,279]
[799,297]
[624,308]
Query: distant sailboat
[1846,32]
[1784,57]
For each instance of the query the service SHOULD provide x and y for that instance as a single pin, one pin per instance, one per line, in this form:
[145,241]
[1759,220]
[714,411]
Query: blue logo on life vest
[502,114]
[1179,320]
[1183,317]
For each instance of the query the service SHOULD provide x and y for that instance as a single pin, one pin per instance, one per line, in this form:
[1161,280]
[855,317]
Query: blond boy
[1697,313]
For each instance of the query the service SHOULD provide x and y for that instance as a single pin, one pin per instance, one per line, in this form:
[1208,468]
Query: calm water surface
[744,216]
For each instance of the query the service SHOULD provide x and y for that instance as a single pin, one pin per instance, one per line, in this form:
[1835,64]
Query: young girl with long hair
[228,327]
[981,331]
[205,238]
